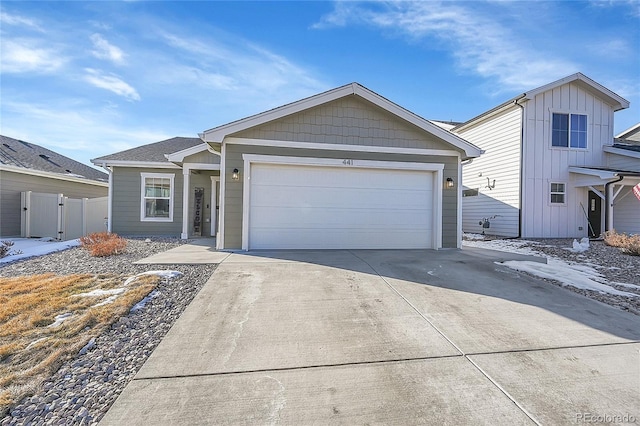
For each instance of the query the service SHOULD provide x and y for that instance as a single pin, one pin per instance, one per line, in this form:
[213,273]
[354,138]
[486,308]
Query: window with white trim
[156,197]
[568,130]
[558,193]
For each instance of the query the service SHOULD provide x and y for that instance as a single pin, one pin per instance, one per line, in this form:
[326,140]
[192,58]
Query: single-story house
[25,166]
[344,169]
[551,167]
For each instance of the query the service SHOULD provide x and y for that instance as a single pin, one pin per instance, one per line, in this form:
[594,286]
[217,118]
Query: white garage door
[303,207]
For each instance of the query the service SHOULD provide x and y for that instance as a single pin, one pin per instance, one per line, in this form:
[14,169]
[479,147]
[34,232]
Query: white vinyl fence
[60,217]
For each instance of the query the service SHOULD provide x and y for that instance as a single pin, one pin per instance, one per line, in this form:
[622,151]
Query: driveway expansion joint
[303,367]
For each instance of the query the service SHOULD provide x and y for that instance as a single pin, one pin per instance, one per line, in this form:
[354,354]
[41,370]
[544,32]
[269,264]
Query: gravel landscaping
[84,388]
[600,262]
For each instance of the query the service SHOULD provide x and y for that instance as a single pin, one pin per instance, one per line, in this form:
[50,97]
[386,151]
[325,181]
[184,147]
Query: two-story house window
[569,130]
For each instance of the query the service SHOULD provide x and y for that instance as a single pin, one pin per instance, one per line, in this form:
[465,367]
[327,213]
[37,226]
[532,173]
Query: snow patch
[100,292]
[35,342]
[30,247]
[580,276]
[474,237]
[60,319]
[167,274]
[141,304]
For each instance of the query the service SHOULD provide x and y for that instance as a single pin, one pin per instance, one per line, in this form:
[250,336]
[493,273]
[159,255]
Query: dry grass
[30,348]
[103,244]
[629,244]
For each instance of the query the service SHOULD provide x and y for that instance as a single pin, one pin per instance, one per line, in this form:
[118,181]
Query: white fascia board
[140,164]
[52,175]
[341,147]
[488,114]
[617,101]
[631,130]
[601,174]
[217,134]
[200,166]
[619,151]
[339,162]
[178,157]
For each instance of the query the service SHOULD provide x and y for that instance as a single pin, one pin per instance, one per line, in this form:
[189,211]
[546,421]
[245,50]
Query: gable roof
[631,135]
[616,101]
[16,154]
[152,153]
[217,134]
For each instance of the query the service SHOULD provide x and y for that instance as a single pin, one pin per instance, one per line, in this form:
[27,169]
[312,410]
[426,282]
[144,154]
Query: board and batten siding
[349,121]
[544,164]
[12,184]
[125,218]
[499,136]
[234,189]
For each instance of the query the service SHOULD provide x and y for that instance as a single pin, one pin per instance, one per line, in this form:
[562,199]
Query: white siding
[623,162]
[499,136]
[626,212]
[544,164]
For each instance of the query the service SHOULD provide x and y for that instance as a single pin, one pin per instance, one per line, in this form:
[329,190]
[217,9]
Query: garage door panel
[333,239]
[314,177]
[294,206]
[277,217]
[292,196]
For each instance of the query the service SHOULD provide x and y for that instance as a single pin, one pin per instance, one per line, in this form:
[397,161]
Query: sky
[87,79]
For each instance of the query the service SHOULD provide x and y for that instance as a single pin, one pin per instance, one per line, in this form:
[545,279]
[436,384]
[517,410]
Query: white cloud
[111,83]
[479,43]
[234,65]
[102,49]
[8,19]
[28,55]
[75,129]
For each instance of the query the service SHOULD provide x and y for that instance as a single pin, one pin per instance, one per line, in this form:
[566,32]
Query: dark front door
[595,214]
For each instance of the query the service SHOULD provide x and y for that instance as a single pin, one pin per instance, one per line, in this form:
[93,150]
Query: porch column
[186,173]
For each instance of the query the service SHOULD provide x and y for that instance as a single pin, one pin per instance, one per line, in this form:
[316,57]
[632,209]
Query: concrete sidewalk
[401,337]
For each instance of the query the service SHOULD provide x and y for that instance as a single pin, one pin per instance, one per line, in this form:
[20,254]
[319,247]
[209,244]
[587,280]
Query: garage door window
[156,197]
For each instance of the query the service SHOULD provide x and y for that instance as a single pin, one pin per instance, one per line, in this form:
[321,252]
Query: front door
[595,215]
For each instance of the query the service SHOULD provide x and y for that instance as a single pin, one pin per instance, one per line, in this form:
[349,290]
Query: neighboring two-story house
[550,168]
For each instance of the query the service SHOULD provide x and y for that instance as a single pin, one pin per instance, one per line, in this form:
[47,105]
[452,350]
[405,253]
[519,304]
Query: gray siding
[12,184]
[350,121]
[125,218]
[623,162]
[626,212]
[233,194]
[203,157]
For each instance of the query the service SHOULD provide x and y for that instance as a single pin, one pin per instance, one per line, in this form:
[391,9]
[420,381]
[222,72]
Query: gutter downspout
[520,189]
[608,212]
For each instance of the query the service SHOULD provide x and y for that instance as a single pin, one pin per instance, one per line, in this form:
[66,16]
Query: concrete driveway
[387,337]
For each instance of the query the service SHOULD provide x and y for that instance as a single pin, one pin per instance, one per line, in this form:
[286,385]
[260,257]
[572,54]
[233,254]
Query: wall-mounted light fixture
[236,174]
[450,182]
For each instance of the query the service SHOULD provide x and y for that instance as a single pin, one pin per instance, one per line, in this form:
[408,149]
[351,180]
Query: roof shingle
[27,155]
[153,152]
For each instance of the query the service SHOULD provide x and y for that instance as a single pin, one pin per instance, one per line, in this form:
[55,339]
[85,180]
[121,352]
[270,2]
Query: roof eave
[53,175]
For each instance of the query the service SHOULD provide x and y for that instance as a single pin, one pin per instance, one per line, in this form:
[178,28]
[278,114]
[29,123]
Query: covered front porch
[614,191]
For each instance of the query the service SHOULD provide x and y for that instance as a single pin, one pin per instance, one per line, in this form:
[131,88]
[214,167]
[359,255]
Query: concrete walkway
[195,252]
[392,337]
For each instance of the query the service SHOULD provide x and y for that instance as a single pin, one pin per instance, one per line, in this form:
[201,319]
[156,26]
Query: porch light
[450,182]
[236,174]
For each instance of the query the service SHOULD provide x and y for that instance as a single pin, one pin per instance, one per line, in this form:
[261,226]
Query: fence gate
[60,217]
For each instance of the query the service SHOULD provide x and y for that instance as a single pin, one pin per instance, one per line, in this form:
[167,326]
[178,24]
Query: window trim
[569,114]
[564,193]
[143,178]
